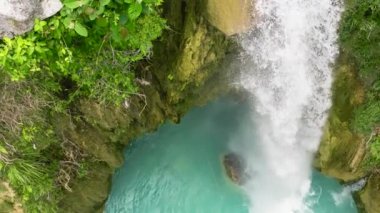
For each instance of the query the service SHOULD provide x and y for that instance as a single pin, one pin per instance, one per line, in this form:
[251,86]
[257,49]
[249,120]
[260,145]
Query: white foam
[288,71]
[340,197]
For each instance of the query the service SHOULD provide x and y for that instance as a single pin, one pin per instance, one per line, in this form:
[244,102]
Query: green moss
[6,206]
[360,36]
[346,151]
[90,193]
[341,151]
[370,196]
[360,39]
[199,49]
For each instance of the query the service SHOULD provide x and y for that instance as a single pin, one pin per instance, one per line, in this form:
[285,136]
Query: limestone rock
[17,16]
[189,59]
[230,16]
[90,193]
[8,199]
[341,152]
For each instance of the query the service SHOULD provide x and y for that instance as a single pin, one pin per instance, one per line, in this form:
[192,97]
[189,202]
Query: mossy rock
[341,151]
[370,196]
[192,55]
[90,193]
[235,168]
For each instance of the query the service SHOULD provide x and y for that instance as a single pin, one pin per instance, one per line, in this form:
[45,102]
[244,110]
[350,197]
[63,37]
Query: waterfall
[287,70]
[348,190]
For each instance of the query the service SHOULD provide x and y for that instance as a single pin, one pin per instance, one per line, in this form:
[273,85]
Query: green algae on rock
[343,153]
[370,196]
[339,154]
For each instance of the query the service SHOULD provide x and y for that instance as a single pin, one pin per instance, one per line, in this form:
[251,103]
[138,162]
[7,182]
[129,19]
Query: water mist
[287,70]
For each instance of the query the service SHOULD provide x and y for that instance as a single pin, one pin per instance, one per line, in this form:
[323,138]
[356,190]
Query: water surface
[178,168]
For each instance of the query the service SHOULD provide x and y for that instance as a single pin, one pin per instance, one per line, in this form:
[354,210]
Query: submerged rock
[235,168]
[17,16]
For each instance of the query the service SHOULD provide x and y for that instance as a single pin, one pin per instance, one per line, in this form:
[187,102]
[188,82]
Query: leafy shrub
[360,39]
[367,116]
[94,45]
[28,171]
[91,49]
[375,149]
[360,36]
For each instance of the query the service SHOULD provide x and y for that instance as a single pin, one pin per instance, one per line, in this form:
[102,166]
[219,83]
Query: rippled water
[178,168]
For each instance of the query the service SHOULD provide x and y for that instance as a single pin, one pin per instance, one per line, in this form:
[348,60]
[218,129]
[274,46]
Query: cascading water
[288,72]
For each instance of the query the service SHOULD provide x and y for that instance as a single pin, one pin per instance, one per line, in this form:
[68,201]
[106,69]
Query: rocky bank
[343,153]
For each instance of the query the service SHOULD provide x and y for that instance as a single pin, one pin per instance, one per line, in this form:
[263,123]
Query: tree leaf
[72,4]
[104,2]
[68,22]
[3,150]
[80,29]
[134,11]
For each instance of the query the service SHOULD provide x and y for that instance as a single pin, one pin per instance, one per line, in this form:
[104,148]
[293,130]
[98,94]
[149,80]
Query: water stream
[287,70]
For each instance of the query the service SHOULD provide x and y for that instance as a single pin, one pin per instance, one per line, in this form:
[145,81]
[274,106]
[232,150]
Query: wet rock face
[230,16]
[17,16]
[342,151]
[235,168]
[370,196]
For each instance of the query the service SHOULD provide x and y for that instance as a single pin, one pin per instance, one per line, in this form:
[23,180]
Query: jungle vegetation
[92,50]
[360,39]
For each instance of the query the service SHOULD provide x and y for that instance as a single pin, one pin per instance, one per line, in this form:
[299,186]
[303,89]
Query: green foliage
[83,170]
[360,36]
[367,116]
[373,158]
[375,149]
[28,171]
[360,39]
[91,49]
[90,44]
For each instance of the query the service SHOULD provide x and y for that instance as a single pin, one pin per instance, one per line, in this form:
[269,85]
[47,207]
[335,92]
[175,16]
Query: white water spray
[288,73]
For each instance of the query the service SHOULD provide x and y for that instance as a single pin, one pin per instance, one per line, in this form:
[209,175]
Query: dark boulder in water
[235,168]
